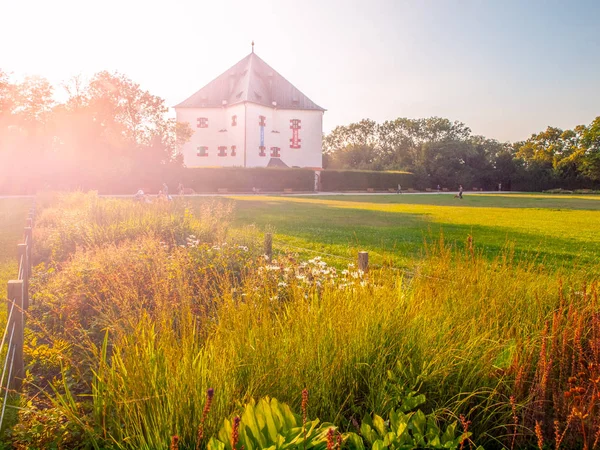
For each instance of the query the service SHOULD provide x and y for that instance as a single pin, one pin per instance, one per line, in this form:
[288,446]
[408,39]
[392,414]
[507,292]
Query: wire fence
[11,346]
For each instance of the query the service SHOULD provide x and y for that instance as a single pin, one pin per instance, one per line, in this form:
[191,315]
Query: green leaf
[379,425]
[419,422]
[378,445]
[214,444]
[354,441]
[450,433]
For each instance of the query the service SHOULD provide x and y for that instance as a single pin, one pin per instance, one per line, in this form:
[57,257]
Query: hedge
[238,179]
[361,180]
[124,180]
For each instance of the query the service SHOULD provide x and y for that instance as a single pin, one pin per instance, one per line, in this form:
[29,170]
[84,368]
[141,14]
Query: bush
[359,180]
[239,179]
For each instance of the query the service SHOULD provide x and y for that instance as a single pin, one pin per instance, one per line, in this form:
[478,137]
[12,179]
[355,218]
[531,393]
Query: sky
[506,68]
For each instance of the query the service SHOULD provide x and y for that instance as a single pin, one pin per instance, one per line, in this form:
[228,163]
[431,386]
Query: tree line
[108,129]
[439,151]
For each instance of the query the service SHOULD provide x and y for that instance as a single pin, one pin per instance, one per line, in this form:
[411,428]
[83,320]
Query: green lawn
[558,230]
[13,213]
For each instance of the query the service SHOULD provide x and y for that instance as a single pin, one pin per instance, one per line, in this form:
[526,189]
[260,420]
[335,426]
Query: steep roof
[250,80]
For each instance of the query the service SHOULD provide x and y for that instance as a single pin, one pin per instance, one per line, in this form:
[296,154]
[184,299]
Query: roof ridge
[251,74]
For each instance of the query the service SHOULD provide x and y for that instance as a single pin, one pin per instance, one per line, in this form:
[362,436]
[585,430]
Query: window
[275,152]
[222,151]
[233,148]
[202,151]
[233,121]
[262,151]
[202,122]
[295,127]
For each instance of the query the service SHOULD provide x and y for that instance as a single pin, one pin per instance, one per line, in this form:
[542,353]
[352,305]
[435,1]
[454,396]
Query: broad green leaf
[354,441]
[379,425]
[214,444]
[449,434]
[378,445]
[418,422]
[432,429]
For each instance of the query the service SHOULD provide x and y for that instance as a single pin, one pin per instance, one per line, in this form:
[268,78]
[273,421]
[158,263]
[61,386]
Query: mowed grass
[558,231]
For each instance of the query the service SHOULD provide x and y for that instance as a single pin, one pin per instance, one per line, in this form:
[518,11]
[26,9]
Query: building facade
[250,116]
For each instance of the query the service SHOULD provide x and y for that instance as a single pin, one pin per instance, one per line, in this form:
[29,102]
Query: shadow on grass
[399,237]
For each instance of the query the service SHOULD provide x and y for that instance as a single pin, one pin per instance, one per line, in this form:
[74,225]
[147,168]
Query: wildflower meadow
[166,326]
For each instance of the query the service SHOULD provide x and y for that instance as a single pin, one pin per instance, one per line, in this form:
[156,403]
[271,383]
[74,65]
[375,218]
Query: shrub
[270,424]
[238,179]
[358,180]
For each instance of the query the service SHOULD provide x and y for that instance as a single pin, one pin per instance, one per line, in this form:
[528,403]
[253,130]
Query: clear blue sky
[505,68]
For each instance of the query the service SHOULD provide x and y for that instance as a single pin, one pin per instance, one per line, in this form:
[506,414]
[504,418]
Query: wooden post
[15,294]
[29,242]
[363,261]
[22,251]
[269,246]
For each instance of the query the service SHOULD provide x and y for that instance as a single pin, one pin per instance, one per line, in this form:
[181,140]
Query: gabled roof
[250,80]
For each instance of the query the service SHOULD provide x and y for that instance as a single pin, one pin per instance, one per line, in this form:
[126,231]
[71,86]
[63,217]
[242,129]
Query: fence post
[29,242]
[22,251]
[363,261]
[15,294]
[269,245]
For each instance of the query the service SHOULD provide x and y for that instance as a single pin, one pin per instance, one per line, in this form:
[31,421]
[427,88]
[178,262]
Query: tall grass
[151,325]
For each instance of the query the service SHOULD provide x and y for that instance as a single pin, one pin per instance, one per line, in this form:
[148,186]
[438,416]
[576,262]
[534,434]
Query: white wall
[310,134]
[211,137]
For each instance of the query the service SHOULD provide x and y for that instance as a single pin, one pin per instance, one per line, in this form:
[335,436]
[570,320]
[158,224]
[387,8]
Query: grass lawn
[13,213]
[558,230]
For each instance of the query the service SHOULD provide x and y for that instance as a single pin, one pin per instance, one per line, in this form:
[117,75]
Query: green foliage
[438,151]
[239,179]
[85,221]
[348,180]
[183,319]
[409,431]
[271,425]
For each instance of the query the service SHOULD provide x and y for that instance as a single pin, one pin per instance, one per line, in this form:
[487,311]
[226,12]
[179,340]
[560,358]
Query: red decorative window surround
[222,151]
[262,151]
[233,149]
[262,121]
[295,126]
[233,121]
[202,122]
[275,152]
[202,151]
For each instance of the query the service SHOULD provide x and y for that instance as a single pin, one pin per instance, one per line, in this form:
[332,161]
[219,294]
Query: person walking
[399,190]
[438,188]
[460,191]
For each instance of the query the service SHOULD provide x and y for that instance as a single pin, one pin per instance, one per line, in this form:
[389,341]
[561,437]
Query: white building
[250,116]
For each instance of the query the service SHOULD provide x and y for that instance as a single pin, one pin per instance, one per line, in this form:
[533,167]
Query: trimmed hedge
[238,179]
[200,179]
[361,180]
